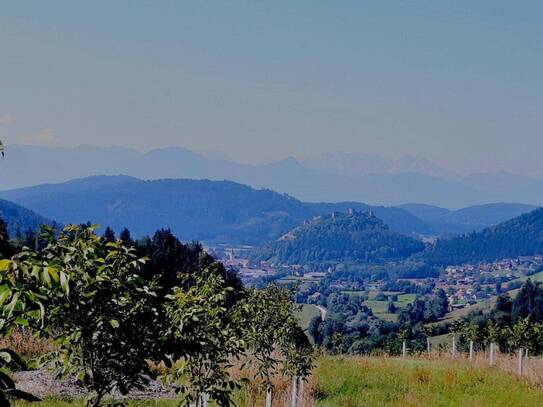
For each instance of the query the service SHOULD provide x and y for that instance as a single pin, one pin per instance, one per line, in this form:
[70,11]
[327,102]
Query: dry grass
[26,344]
[532,366]
[253,392]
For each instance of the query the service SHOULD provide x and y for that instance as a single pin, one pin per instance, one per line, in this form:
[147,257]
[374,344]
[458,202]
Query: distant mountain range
[212,211]
[331,178]
[356,164]
[225,211]
[444,222]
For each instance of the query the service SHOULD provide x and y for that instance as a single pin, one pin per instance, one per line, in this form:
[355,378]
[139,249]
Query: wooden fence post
[269,395]
[491,354]
[428,345]
[519,366]
[404,349]
[470,350]
[294,399]
[454,346]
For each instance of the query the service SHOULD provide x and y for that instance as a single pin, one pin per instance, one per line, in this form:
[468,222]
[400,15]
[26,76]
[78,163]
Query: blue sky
[456,82]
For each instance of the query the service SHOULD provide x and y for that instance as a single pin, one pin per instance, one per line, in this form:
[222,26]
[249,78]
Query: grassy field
[441,340]
[379,308]
[533,277]
[395,382]
[306,314]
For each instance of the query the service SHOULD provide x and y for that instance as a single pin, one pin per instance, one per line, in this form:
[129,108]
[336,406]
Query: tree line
[520,236]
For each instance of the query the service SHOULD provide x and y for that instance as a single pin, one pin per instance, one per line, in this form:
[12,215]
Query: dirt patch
[41,383]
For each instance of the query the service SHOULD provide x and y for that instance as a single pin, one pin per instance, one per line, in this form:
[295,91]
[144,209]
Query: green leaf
[5,356]
[4,265]
[46,278]
[11,306]
[21,321]
[5,293]
[114,323]
[64,282]
[54,274]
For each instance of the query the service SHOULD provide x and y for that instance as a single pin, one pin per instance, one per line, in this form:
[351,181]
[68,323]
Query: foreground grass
[395,382]
[358,381]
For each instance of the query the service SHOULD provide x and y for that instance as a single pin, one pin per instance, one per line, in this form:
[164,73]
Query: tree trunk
[454,346]
[294,398]
[404,349]
[269,395]
[96,401]
[491,354]
[470,350]
[519,366]
[428,345]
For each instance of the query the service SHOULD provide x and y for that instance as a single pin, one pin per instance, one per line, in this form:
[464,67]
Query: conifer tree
[109,235]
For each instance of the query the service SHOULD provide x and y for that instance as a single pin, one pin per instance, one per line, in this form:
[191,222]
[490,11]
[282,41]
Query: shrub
[102,318]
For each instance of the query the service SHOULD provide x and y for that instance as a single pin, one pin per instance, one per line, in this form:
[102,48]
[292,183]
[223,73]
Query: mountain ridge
[226,208]
[408,180]
[124,201]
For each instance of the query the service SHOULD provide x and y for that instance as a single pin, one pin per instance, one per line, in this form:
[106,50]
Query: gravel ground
[41,383]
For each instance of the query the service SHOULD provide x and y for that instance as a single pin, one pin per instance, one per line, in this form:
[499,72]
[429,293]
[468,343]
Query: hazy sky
[458,82]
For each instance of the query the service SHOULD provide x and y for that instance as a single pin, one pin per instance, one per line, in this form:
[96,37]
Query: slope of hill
[213,211]
[20,219]
[445,222]
[521,236]
[409,180]
[340,237]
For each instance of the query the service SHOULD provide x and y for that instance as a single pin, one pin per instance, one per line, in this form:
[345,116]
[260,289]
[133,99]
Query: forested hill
[212,211]
[521,236]
[445,222]
[20,219]
[340,237]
